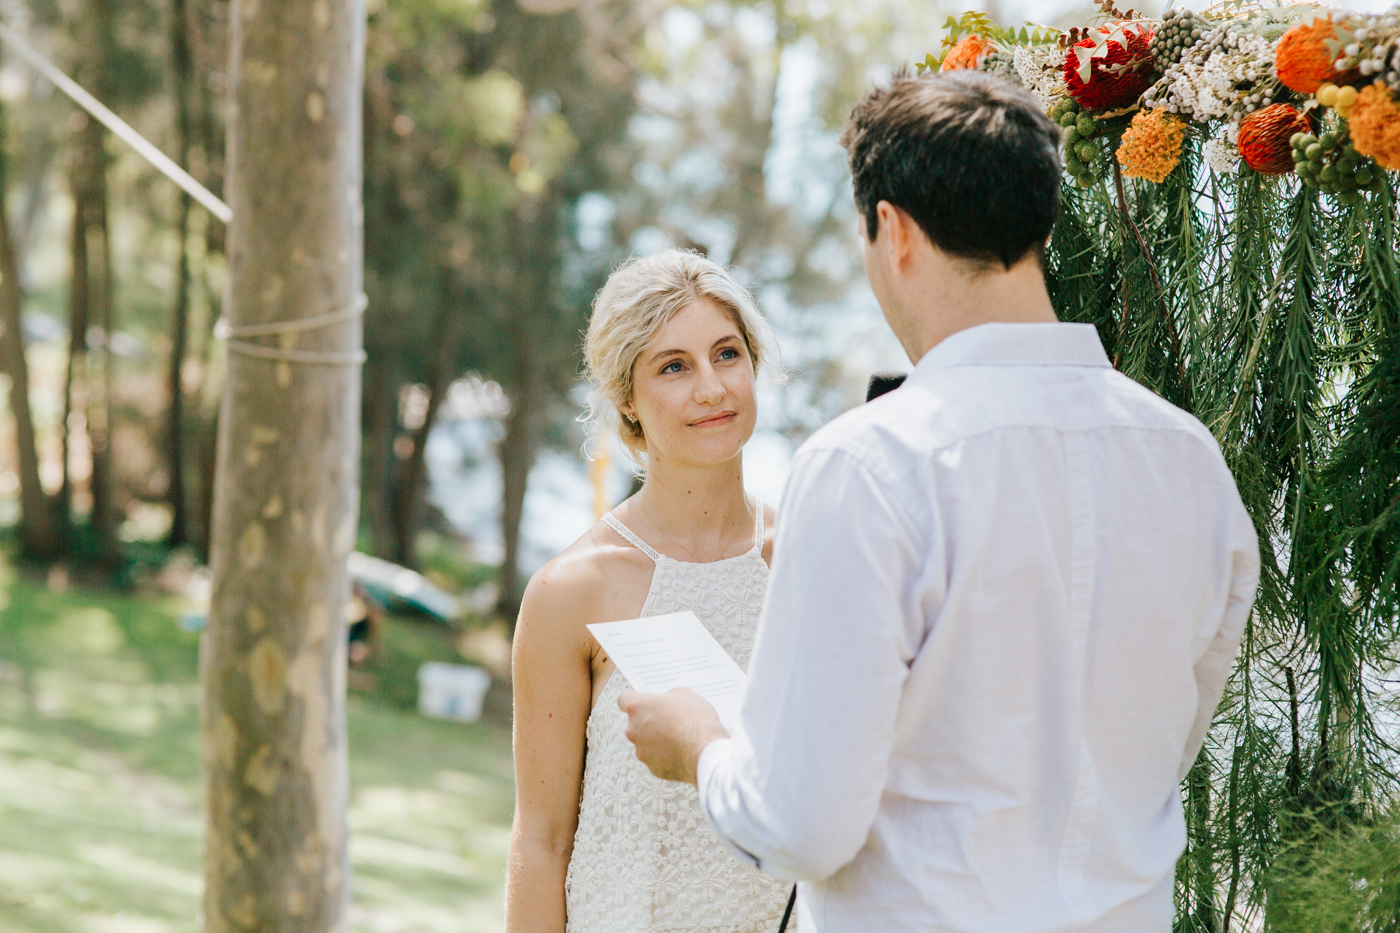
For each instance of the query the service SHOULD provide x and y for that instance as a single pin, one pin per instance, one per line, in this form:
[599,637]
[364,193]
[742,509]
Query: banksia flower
[1116,79]
[1302,59]
[1375,126]
[967,54]
[1265,138]
[1151,146]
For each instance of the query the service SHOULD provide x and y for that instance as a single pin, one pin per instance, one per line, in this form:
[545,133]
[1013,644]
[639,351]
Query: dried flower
[967,54]
[1042,69]
[1111,69]
[1265,136]
[1151,146]
[1375,126]
[1302,58]
[1222,156]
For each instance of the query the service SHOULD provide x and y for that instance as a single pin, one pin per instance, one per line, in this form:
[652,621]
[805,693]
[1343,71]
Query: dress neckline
[760,529]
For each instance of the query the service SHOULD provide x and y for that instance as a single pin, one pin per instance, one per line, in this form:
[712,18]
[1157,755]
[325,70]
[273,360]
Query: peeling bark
[273,657]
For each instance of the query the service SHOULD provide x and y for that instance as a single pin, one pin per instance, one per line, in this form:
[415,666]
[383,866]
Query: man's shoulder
[959,403]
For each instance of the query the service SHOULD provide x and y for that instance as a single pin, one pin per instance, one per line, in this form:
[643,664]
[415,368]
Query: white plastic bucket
[452,691]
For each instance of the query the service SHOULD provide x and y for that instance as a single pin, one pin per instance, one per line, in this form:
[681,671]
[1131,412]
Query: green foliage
[1272,312]
[974,23]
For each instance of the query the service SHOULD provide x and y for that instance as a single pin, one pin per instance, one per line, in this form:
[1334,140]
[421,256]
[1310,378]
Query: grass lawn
[99,777]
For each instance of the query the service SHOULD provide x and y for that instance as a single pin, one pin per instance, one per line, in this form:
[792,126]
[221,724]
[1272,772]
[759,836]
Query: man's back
[1071,569]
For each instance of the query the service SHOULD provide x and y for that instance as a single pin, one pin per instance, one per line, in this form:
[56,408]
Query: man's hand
[670,730]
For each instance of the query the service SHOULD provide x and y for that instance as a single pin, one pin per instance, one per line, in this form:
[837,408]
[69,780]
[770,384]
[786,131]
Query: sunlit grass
[99,778]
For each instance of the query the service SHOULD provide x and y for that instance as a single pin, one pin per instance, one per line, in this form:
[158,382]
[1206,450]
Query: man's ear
[895,224]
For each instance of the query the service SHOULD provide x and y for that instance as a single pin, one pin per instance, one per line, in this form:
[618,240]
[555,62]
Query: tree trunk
[409,490]
[182,72]
[99,43]
[78,316]
[380,419]
[518,449]
[101,294]
[37,535]
[273,657]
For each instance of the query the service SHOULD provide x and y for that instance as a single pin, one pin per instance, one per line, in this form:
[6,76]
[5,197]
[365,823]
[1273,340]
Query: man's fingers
[626,700]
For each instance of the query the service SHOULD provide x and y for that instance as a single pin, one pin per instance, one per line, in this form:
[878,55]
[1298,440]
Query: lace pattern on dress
[644,858]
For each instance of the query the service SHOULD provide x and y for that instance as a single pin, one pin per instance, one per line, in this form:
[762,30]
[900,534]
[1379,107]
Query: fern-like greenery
[1272,313]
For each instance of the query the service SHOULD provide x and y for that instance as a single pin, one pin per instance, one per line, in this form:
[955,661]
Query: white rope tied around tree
[119,127]
[230,335]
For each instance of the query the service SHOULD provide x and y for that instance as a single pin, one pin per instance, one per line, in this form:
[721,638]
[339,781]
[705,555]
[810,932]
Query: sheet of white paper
[660,653]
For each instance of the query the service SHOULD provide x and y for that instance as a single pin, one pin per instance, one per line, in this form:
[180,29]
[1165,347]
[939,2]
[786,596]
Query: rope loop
[230,334]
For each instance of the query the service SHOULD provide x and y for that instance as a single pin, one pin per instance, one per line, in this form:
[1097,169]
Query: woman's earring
[632,418]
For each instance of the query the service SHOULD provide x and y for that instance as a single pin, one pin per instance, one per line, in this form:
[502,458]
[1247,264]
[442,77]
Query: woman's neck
[700,510]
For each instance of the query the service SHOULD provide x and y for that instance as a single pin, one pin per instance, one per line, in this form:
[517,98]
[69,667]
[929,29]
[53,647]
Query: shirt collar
[1057,344]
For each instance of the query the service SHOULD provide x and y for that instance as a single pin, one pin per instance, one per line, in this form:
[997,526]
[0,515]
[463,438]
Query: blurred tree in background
[515,151]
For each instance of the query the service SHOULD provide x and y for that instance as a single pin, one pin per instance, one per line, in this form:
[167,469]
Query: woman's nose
[708,389]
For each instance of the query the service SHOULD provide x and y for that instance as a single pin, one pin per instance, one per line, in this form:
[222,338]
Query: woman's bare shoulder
[583,584]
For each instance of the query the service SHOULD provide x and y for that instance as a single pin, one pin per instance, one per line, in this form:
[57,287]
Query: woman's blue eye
[729,353]
[672,367]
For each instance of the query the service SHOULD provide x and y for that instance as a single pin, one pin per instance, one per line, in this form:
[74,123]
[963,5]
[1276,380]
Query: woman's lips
[714,421]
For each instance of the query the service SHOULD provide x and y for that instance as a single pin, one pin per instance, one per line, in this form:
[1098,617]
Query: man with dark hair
[1005,597]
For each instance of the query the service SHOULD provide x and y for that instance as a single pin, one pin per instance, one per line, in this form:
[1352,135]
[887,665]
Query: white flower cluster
[1042,70]
[1222,156]
[1240,77]
[1224,76]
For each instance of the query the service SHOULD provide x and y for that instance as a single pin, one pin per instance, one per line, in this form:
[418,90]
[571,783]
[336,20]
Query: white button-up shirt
[1004,602]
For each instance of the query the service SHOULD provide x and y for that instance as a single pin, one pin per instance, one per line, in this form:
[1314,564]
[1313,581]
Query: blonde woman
[598,844]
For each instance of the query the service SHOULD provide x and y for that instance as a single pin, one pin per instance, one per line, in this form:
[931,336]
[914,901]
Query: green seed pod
[1066,119]
[1327,174]
[1085,181]
[1313,151]
[1087,152]
[1087,125]
[1329,141]
[1365,175]
[1350,197]
[1071,137]
[1298,140]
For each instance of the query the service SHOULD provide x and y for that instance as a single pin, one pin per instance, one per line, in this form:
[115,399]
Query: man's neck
[952,300]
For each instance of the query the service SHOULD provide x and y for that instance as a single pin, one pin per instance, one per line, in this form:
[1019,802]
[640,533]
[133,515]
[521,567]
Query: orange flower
[1375,126]
[1265,138]
[1303,61]
[1151,146]
[967,54]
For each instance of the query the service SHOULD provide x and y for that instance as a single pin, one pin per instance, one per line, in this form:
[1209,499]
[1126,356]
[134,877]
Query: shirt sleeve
[795,790]
[1213,668]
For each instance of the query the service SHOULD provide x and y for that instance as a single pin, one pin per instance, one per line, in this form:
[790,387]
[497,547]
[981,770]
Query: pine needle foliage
[1272,313]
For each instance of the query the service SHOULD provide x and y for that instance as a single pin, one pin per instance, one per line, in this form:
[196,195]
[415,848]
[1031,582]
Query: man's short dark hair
[971,158]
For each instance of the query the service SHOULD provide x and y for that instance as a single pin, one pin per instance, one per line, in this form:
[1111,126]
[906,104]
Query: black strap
[787,914]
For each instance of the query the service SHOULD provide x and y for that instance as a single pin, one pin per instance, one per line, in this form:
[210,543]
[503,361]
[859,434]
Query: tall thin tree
[182,73]
[273,660]
[38,540]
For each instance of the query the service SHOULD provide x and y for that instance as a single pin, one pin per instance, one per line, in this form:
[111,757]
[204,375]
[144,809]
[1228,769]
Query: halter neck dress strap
[759,528]
[626,532]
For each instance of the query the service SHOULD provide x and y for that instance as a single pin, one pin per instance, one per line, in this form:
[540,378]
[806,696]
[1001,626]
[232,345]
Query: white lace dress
[644,858]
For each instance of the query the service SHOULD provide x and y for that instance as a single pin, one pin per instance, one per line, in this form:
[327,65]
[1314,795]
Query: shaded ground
[99,777]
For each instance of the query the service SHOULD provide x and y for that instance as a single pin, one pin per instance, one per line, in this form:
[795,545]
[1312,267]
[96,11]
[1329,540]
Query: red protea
[967,54]
[1116,79]
[1265,134]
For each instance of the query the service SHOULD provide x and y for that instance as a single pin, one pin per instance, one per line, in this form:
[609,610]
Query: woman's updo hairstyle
[640,297]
